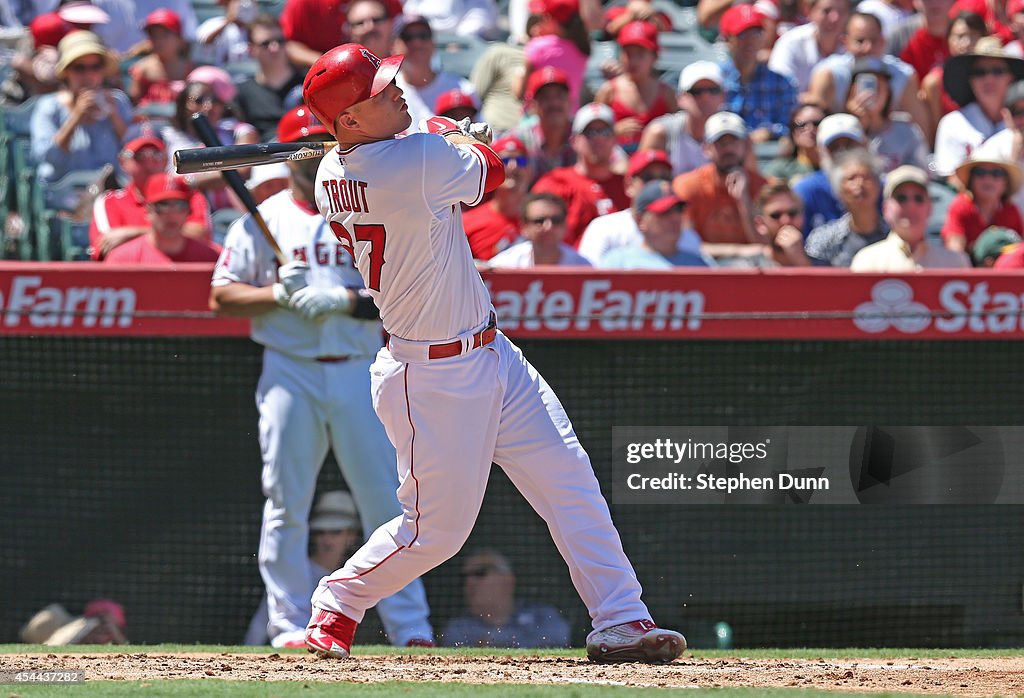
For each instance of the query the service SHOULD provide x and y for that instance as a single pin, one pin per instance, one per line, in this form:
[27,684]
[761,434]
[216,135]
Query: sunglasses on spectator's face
[698,91]
[995,71]
[596,131]
[777,215]
[86,67]
[478,572]
[797,125]
[997,172]
[174,205]
[519,160]
[541,220]
[1017,110]
[904,198]
[202,99]
[652,176]
[271,42]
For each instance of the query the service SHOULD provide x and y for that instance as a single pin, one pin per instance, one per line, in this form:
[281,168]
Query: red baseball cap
[548,75]
[738,19]
[642,34]
[454,99]
[165,18]
[508,146]
[166,187]
[132,147]
[48,29]
[560,10]
[298,123]
[639,160]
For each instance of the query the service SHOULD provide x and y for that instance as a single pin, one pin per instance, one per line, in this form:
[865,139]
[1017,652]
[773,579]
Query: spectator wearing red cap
[113,625]
[636,96]
[168,208]
[621,229]
[494,225]
[559,39]
[421,85]
[456,105]
[543,225]
[547,136]
[701,93]
[761,96]
[590,187]
[160,76]
[120,215]
[994,15]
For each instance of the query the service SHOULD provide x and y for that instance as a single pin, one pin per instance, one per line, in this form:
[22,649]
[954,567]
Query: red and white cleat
[330,634]
[639,641]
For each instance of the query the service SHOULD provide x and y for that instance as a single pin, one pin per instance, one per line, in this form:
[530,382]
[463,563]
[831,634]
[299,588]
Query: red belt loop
[480,339]
[332,359]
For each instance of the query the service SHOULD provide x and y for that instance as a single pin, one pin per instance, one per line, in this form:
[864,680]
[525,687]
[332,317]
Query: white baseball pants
[449,419]
[306,407]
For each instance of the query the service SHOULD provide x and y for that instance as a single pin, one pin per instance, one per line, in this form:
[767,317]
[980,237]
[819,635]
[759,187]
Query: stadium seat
[61,214]
[222,220]
[941,196]
[458,54]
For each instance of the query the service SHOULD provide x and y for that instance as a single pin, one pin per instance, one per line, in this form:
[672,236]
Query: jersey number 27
[376,236]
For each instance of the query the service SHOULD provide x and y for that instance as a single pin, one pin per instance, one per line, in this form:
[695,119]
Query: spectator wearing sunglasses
[591,187]
[276,87]
[979,82]
[494,617]
[1008,144]
[621,229]
[80,126]
[855,180]
[313,27]
[543,229]
[421,85]
[681,134]
[803,133]
[906,207]
[779,223]
[988,184]
[494,225]
[168,209]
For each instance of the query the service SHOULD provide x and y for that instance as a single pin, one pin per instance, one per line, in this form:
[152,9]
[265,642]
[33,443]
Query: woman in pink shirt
[559,39]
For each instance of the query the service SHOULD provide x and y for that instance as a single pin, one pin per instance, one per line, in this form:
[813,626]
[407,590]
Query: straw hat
[963,172]
[78,44]
[957,72]
[55,626]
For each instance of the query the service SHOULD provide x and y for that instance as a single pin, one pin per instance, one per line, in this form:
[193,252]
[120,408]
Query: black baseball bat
[204,129]
[233,157]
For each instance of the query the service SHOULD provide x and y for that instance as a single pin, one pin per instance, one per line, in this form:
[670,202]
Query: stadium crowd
[884,135]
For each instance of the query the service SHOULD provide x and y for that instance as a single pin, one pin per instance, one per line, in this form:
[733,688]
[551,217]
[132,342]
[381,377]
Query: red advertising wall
[85,299]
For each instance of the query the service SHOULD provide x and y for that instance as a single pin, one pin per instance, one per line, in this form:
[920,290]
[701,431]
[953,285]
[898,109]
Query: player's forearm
[242,300]
[459,138]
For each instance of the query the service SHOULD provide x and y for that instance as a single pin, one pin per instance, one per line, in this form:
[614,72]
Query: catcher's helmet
[298,123]
[346,75]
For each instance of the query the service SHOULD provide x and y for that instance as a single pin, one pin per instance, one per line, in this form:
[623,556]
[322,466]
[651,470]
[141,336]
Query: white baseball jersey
[426,286]
[302,234]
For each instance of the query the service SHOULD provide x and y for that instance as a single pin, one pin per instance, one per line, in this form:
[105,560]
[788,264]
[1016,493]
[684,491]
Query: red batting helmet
[298,123]
[346,75]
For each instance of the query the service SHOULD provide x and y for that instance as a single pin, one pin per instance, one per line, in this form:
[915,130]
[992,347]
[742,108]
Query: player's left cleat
[639,641]
[330,634]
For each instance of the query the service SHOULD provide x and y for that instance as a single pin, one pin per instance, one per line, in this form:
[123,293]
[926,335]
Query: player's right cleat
[639,641]
[330,634]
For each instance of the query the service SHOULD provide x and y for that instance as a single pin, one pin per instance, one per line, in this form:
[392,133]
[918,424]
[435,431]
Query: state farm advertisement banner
[68,298]
[86,299]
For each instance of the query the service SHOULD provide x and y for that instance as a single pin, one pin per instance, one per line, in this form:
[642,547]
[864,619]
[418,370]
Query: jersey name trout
[346,195]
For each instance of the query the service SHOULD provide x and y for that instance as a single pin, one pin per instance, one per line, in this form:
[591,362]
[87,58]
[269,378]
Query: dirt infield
[950,675]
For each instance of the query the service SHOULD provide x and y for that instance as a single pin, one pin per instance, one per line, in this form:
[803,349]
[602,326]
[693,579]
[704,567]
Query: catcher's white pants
[449,419]
[306,407]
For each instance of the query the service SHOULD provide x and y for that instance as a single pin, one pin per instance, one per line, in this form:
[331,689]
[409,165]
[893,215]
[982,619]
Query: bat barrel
[233,157]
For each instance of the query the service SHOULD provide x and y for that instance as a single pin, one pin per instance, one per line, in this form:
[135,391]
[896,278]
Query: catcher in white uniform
[320,333]
[453,392]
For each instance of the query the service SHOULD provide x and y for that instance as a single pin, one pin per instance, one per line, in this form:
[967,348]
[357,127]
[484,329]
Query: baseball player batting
[320,335]
[453,393]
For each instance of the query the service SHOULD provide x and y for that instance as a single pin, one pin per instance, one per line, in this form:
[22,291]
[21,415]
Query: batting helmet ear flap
[346,75]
